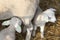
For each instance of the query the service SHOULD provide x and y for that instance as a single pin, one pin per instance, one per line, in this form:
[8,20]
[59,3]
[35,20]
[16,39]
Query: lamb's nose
[54,21]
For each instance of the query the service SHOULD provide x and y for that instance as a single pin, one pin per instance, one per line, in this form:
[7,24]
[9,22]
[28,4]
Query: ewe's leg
[34,30]
[29,32]
[42,30]
[28,26]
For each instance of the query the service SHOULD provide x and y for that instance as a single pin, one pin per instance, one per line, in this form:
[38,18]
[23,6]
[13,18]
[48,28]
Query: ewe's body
[9,33]
[41,18]
[21,8]
[6,15]
[25,9]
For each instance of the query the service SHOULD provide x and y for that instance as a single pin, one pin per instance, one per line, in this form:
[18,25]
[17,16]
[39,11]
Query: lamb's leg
[34,30]
[42,30]
[29,32]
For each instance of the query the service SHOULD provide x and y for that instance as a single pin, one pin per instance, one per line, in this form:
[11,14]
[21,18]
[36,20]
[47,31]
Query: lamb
[25,9]
[40,19]
[9,32]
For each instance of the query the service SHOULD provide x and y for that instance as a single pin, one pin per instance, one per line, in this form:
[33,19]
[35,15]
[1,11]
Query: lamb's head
[15,22]
[51,14]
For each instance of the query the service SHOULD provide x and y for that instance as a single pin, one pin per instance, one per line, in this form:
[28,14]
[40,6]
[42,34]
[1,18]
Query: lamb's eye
[49,17]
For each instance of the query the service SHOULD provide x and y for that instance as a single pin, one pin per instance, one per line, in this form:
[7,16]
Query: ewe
[25,9]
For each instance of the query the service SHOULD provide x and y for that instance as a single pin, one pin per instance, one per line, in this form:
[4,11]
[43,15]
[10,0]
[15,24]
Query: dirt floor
[52,30]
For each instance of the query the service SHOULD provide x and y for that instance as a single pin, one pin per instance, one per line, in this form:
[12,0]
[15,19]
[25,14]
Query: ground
[52,30]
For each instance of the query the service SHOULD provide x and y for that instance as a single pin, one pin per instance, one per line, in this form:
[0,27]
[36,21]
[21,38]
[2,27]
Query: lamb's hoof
[42,37]
[33,34]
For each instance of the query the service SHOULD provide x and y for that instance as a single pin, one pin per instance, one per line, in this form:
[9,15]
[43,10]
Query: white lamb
[41,18]
[25,9]
[9,32]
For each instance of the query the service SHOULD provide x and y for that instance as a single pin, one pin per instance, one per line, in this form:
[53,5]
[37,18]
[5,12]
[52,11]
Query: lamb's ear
[53,9]
[6,23]
[18,28]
